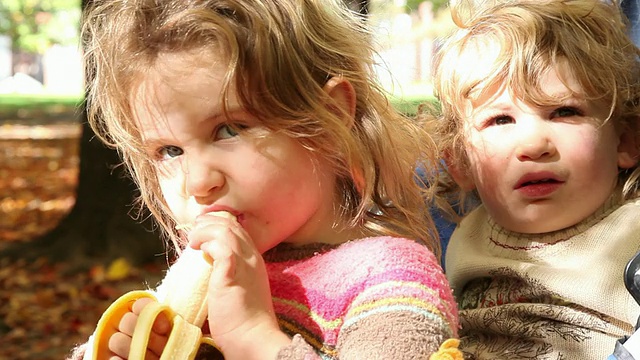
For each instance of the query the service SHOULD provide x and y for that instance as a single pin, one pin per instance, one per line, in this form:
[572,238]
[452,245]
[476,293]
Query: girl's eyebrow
[232,111]
[150,142]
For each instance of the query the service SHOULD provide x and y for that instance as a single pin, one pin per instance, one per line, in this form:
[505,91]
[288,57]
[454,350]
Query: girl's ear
[459,175]
[344,97]
[628,148]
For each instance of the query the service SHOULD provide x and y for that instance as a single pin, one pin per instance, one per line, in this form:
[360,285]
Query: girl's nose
[535,142]
[202,177]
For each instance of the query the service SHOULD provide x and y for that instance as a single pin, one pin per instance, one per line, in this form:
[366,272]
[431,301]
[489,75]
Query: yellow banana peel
[185,305]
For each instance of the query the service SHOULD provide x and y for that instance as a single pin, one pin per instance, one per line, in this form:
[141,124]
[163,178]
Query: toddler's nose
[535,143]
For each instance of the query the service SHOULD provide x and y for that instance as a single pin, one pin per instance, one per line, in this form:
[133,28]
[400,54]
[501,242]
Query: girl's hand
[120,342]
[242,321]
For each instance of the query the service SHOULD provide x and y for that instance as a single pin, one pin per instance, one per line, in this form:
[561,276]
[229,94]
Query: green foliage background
[412,5]
[34,25]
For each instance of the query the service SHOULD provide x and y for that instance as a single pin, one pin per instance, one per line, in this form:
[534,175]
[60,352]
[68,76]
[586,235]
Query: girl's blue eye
[227,131]
[566,111]
[169,152]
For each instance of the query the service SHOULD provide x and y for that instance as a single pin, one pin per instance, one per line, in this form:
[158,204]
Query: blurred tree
[34,25]
[412,5]
[100,225]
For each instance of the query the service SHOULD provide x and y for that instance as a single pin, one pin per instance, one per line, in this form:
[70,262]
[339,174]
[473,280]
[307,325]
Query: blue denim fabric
[631,8]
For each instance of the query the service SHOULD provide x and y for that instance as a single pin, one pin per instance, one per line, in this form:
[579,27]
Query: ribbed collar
[502,236]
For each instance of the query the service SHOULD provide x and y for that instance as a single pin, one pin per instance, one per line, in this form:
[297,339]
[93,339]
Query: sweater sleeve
[78,352]
[402,331]
[397,304]
[406,313]
[298,350]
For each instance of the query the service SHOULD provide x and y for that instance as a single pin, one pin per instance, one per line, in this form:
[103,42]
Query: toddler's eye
[169,152]
[501,120]
[566,111]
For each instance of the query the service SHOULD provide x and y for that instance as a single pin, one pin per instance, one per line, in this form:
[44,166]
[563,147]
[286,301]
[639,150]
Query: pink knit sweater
[373,298]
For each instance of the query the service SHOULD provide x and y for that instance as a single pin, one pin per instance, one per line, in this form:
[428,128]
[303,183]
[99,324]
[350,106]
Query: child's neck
[332,236]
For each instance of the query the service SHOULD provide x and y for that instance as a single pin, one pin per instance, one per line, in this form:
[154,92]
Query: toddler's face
[540,169]
[207,162]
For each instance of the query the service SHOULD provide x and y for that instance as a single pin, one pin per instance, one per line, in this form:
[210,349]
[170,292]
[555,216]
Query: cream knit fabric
[558,295]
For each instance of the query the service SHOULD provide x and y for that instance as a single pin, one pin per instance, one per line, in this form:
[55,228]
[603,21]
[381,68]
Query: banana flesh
[185,306]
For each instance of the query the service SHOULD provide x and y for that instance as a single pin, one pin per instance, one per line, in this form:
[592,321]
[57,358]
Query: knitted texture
[558,295]
[377,295]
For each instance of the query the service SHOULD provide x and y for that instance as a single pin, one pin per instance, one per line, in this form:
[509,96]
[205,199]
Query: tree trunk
[99,227]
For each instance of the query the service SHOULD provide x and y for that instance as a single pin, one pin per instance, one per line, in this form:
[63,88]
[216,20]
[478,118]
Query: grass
[11,103]
[21,101]
[409,105]
[38,109]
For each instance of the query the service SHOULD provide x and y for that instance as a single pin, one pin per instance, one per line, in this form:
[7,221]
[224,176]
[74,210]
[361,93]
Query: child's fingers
[120,344]
[224,264]
[156,344]
[215,236]
[128,323]
[159,331]
[139,304]
[162,325]
[211,227]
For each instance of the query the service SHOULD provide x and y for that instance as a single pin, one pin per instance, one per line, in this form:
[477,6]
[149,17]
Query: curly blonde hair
[520,41]
[285,51]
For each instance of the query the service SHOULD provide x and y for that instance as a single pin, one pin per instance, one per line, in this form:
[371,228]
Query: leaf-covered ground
[45,308]
[38,177]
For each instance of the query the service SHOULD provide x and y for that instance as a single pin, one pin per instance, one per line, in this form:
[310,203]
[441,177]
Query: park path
[69,131]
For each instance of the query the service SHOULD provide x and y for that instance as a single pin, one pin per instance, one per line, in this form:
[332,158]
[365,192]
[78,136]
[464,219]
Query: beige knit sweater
[558,295]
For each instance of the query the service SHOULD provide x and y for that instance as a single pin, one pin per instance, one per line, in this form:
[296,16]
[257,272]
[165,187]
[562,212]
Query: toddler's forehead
[552,84]
[477,61]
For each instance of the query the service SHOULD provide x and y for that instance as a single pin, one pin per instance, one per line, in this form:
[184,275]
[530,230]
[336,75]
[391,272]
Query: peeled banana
[185,305]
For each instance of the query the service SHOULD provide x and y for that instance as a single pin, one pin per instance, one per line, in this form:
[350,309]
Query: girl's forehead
[180,74]
[179,86]
[178,68]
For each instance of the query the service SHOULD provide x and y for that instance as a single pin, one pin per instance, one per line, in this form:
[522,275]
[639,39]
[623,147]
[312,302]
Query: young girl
[268,110]
[540,106]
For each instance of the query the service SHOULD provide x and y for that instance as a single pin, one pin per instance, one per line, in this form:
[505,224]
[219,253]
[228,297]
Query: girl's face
[278,190]
[541,169]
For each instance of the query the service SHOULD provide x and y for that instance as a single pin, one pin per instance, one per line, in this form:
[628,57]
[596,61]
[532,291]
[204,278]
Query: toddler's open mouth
[537,182]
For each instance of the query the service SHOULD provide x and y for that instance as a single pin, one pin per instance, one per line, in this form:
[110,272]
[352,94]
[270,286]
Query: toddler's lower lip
[541,189]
